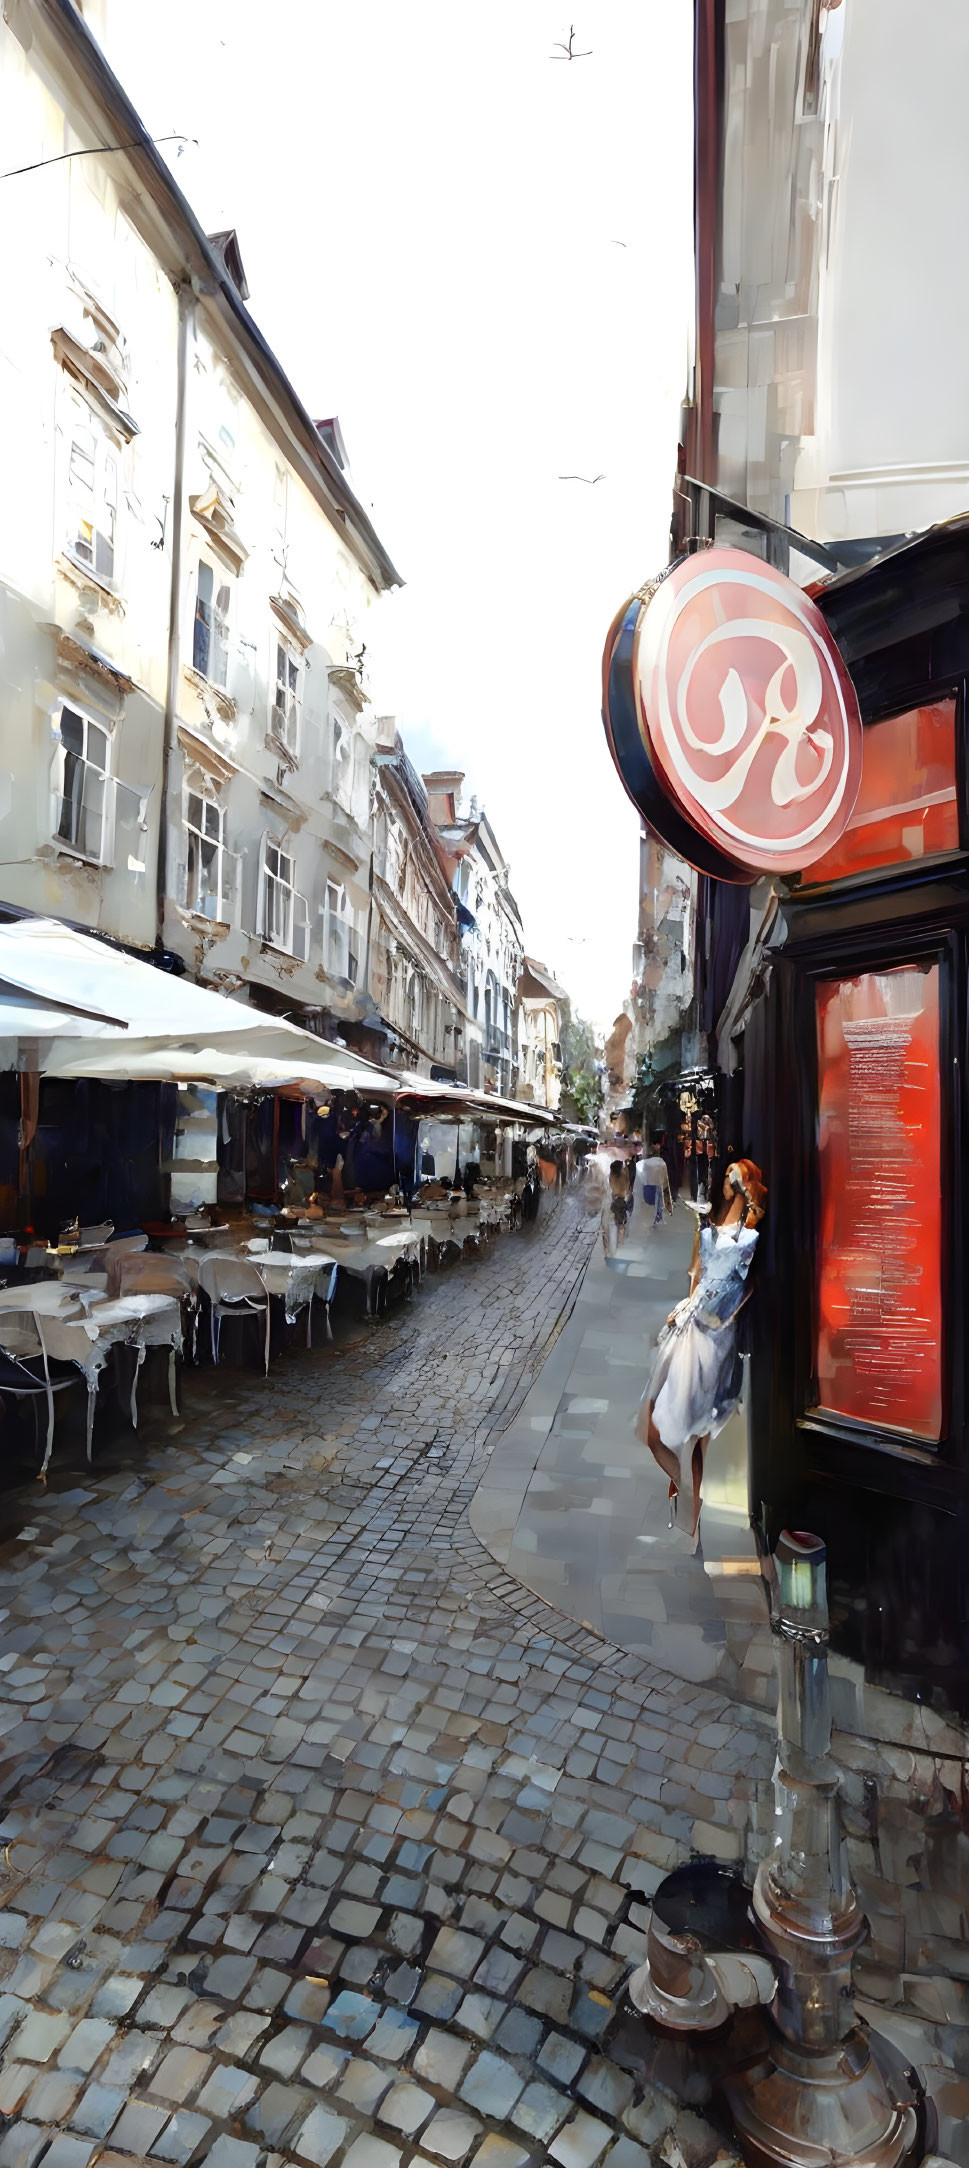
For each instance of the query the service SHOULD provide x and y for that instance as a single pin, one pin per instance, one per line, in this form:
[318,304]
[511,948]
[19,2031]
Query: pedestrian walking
[616,1210]
[656,1184]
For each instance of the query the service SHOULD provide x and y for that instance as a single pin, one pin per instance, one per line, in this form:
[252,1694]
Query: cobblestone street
[325,1839]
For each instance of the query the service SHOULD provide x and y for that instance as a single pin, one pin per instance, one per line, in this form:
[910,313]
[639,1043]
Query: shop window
[92,495]
[210,644]
[907,806]
[205,855]
[287,707]
[81,786]
[284,918]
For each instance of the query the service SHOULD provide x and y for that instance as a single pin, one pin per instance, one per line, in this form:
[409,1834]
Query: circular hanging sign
[731,717]
[630,751]
[747,710]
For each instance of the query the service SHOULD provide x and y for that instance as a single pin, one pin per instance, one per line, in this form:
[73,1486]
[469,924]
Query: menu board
[879,1344]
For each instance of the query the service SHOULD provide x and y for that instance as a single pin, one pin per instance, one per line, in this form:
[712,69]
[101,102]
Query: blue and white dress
[695,1382]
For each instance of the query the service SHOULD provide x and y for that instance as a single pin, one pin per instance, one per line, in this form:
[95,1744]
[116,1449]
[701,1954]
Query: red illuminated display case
[856,1106]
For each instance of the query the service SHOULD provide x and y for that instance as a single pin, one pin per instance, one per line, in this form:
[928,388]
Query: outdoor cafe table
[80,1325]
[367,1256]
[294,1276]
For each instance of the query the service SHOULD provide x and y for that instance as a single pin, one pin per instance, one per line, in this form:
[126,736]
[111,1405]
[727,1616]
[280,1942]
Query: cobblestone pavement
[325,1840]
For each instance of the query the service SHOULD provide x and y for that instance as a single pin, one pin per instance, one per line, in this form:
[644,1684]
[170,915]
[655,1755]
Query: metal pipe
[820,2092]
[186,301]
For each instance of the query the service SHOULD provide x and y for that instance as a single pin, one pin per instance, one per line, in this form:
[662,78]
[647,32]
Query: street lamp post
[819,2093]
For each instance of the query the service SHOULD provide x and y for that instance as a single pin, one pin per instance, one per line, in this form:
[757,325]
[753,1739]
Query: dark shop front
[854,1046]
[856,1107]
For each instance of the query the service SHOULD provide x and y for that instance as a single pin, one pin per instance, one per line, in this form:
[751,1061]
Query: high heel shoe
[674,1502]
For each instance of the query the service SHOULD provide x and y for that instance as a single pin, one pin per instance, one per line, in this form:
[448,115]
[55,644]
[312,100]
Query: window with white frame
[283,914]
[210,640]
[205,890]
[81,785]
[415,1006]
[361,775]
[342,771]
[287,705]
[92,493]
[339,947]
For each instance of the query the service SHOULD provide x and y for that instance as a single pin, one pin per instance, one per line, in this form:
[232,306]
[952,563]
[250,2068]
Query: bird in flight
[592,479]
[565,52]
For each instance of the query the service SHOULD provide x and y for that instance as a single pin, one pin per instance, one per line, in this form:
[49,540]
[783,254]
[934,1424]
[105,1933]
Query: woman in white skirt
[695,1382]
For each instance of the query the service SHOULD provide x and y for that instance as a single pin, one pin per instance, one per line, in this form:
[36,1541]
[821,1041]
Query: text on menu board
[879,1345]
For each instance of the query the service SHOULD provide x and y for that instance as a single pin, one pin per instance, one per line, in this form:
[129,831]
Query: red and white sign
[747,711]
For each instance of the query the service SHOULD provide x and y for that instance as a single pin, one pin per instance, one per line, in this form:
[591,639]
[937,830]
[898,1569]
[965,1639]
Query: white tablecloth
[67,1323]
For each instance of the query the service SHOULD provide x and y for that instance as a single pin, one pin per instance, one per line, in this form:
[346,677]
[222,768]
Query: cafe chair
[152,1275]
[29,1376]
[234,1289]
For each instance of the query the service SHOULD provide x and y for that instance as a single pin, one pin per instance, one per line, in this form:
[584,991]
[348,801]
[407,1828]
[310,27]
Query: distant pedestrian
[656,1184]
[616,1211]
[632,1165]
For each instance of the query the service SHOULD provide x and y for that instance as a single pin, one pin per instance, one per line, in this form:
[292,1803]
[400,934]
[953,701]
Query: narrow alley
[326,1838]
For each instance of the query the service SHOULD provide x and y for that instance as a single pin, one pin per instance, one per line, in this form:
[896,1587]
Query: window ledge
[271,948]
[81,576]
[217,929]
[60,849]
[208,690]
[282,751]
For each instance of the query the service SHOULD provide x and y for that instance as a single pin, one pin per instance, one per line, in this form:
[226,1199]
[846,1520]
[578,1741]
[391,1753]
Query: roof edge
[83,51]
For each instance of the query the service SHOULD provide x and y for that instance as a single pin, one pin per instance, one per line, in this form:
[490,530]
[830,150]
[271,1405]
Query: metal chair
[148,1274]
[19,1379]
[234,1289]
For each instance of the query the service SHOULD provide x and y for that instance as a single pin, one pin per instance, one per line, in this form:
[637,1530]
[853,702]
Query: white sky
[429,209]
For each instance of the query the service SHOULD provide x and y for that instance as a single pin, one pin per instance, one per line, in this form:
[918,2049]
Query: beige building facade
[416,978]
[185,730]
[493,946]
[542,1003]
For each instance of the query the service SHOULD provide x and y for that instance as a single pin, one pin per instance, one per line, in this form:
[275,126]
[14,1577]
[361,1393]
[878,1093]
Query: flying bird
[592,479]
[565,52]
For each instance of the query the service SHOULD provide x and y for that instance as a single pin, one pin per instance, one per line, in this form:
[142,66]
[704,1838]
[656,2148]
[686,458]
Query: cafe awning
[420,1093]
[71,1006]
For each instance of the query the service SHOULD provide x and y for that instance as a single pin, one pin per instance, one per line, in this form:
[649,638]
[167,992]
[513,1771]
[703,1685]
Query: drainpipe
[366,962]
[185,301]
